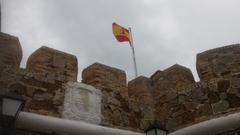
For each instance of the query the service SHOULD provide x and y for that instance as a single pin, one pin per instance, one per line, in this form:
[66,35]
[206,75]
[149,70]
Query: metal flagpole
[134,58]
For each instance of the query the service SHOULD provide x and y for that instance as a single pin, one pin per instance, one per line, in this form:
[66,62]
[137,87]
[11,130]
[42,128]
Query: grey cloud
[165,31]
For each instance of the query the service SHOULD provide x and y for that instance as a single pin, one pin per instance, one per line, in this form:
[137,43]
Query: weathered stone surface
[172,79]
[213,97]
[112,83]
[223,85]
[198,102]
[204,110]
[141,94]
[41,96]
[219,62]
[105,78]
[141,89]
[220,106]
[51,64]
[82,102]
[10,51]
[166,86]
[115,110]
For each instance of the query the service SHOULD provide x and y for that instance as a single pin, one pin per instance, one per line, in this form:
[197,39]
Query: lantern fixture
[155,129]
[10,106]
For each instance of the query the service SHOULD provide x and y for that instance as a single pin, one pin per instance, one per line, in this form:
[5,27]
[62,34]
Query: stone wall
[141,102]
[199,102]
[217,94]
[41,96]
[44,95]
[171,97]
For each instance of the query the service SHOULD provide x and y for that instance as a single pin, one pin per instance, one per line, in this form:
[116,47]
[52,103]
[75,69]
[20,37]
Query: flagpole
[133,51]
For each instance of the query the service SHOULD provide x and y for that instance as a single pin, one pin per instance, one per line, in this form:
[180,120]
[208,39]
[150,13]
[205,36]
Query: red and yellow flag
[121,34]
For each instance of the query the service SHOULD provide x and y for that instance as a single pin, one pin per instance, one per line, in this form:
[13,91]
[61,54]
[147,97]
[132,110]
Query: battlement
[53,65]
[10,52]
[221,62]
[170,96]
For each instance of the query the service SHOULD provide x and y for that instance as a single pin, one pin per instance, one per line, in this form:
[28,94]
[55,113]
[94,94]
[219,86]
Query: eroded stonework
[53,65]
[42,96]
[105,78]
[141,102]
[112,83]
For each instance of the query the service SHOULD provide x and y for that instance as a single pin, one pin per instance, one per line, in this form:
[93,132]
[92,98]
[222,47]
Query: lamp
[155,129]
[10,106]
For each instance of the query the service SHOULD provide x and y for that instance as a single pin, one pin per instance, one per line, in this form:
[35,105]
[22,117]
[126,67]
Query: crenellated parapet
[170,96]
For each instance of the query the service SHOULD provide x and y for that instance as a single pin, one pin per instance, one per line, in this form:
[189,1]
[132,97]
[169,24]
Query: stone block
[223,85]
[220,106]
[51,65]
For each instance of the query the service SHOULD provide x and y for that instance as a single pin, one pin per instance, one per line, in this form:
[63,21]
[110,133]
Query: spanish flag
[121,34]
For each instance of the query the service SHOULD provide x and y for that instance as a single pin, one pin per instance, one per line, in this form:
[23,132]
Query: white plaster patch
[82,102]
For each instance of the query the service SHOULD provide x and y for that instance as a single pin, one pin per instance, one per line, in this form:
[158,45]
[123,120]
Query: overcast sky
[165,32]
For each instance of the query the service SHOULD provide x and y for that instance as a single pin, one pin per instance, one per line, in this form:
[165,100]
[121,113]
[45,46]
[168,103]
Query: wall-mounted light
[155,129]
[10,106]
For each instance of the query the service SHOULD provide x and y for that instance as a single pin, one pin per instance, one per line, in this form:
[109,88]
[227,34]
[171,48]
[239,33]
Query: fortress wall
[171,96]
